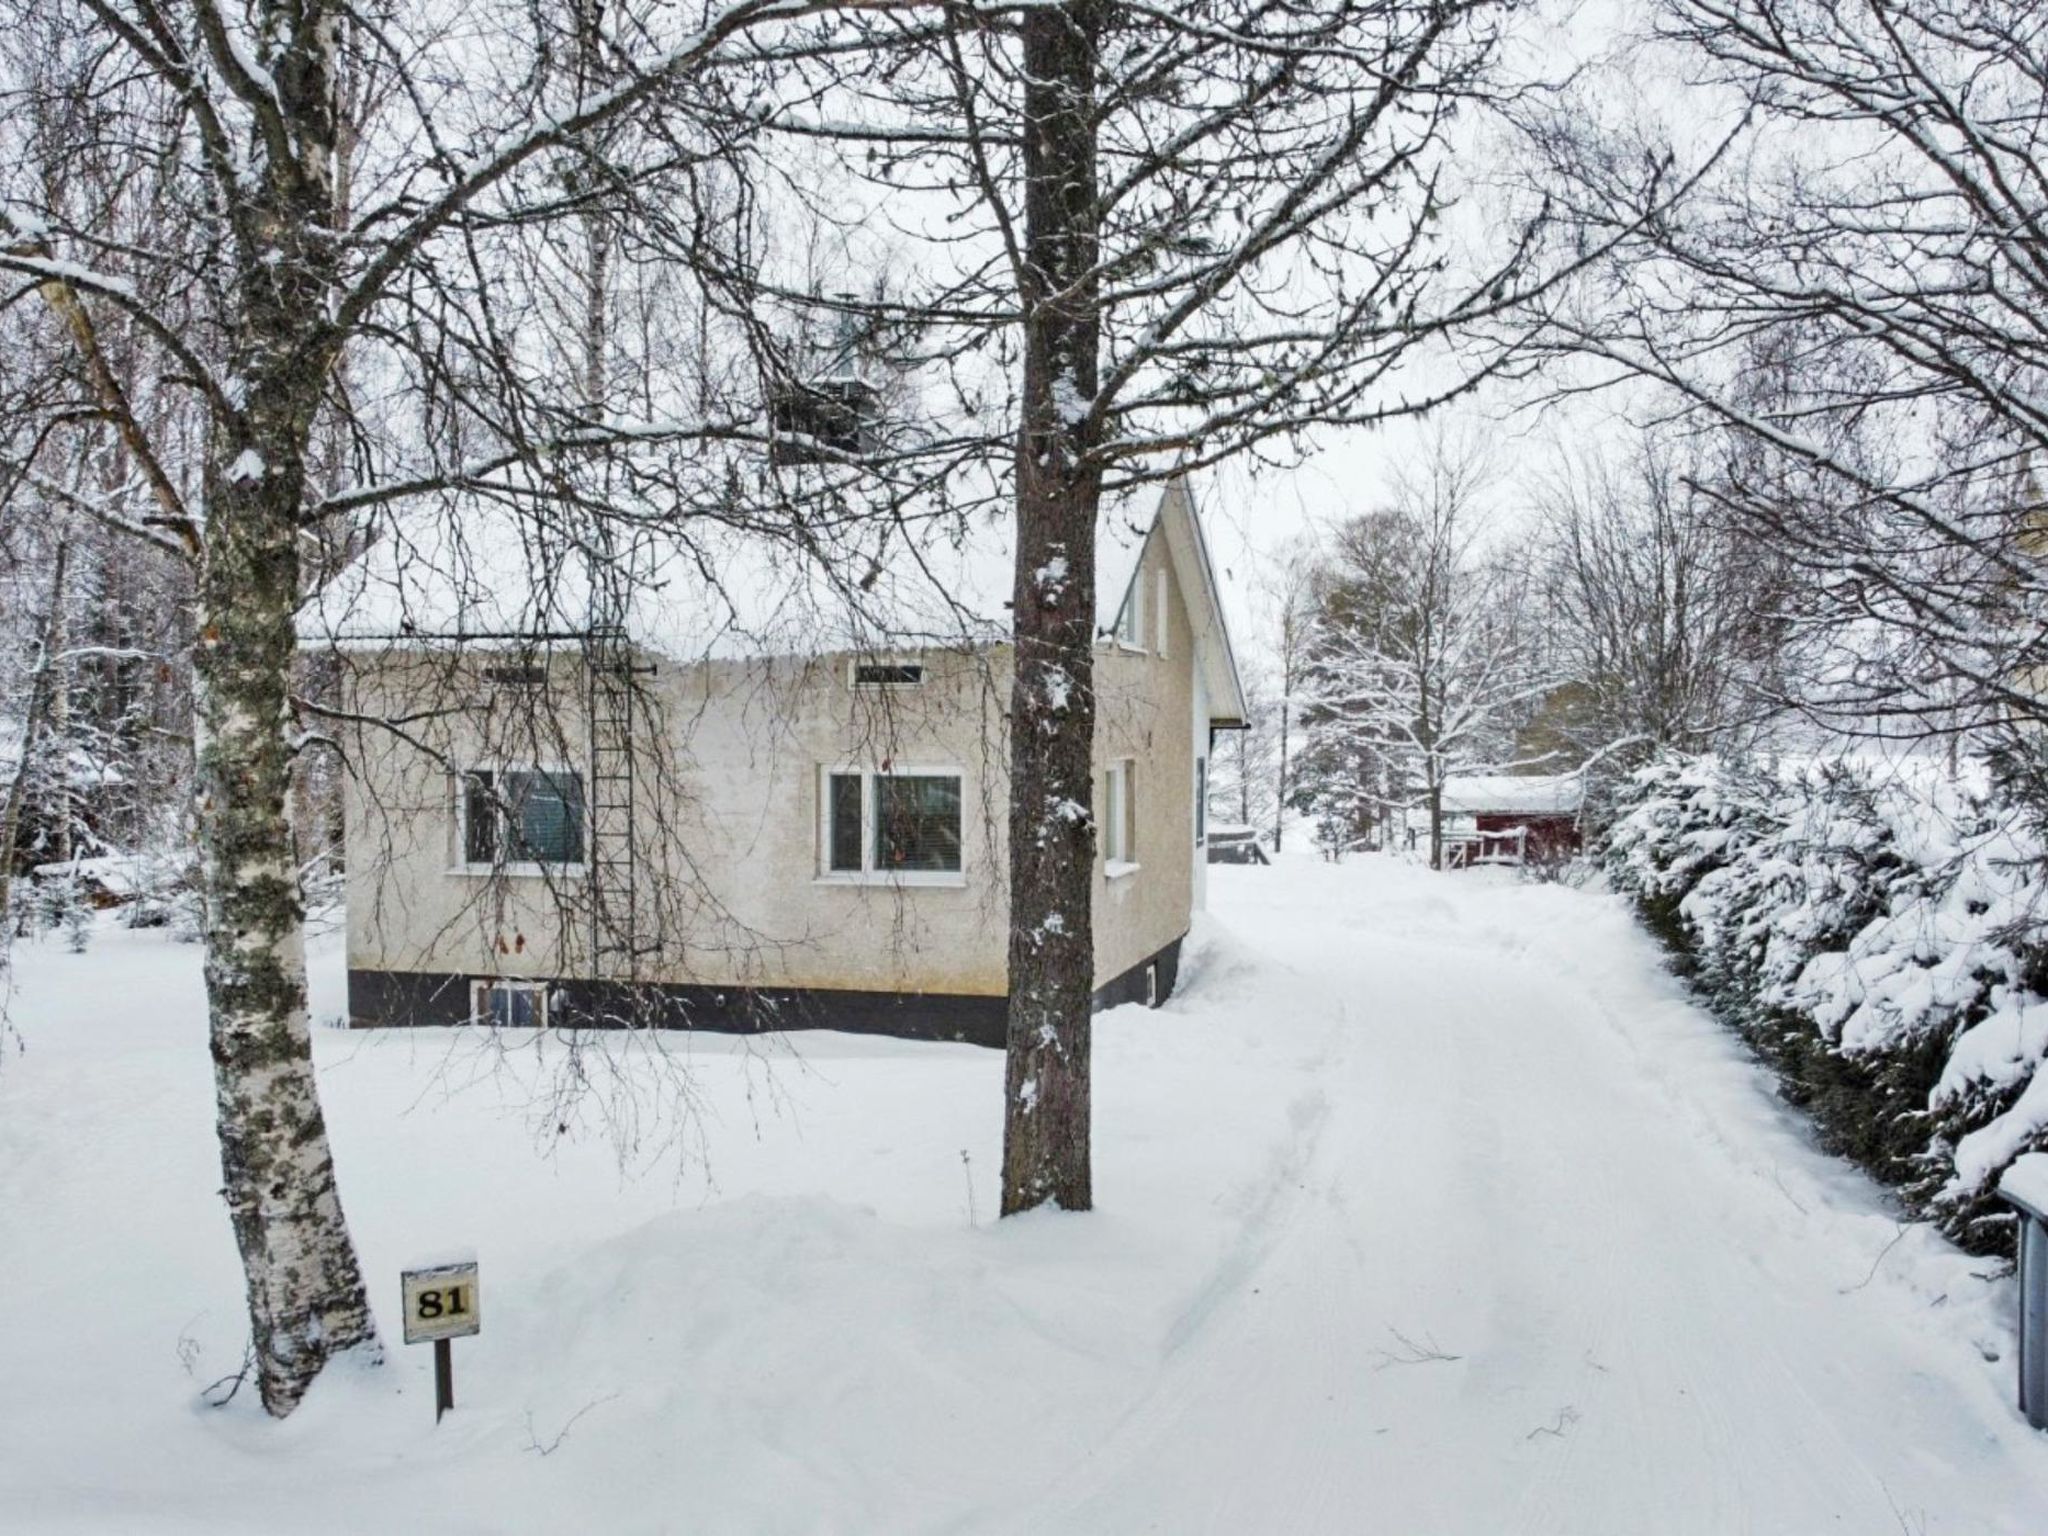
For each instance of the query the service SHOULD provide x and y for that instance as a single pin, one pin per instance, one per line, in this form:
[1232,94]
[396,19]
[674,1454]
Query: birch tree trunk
[63,808]
[32,731]
[1280,803]
[305,1288]
[1046,1155]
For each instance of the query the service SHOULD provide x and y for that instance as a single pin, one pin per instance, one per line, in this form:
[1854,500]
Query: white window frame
[1130,623]
[1159,609]
[868,874]
[480,988]
[524,869]
[1119,824]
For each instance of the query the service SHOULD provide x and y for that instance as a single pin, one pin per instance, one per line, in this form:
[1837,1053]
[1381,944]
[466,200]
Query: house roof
[484,573]
[1510,794]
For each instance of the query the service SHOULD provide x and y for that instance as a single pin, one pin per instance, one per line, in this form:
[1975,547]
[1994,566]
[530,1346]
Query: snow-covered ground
[1429,1206]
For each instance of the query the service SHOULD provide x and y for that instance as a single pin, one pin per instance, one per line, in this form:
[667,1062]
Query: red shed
[1512,818]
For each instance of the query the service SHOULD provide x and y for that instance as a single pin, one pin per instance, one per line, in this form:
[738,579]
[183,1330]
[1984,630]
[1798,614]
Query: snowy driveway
[1523,1151]
[1429,1207]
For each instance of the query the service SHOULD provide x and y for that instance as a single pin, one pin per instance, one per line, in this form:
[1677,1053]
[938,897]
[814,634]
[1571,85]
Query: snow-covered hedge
[1882,942]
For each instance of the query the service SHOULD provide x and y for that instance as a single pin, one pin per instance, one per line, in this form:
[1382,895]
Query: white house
[767,793]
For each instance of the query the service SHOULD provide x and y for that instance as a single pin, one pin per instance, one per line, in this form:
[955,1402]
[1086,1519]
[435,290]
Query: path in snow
[1525,1151]
[1430,1207]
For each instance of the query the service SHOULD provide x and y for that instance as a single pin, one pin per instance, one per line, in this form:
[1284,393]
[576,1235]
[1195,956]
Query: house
[1511,819]
[769,792]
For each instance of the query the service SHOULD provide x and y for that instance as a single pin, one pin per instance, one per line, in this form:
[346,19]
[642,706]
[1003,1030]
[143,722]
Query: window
[514,816]
[847,854]
[1130,624]
[917,822]
[509,1004]
[1201,800]
[1119,854]
[887,674]
[900,825]
[1159,607]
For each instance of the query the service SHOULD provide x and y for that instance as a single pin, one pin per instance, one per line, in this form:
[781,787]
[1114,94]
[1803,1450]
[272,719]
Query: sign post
[442,1302]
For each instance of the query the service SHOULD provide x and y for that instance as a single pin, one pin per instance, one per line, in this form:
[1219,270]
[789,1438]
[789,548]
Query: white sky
[1254,522]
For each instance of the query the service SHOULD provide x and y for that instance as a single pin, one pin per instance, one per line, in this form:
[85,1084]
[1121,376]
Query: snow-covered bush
[1881,942]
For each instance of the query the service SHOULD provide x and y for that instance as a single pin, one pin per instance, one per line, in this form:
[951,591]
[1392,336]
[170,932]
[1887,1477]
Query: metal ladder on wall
[612,872]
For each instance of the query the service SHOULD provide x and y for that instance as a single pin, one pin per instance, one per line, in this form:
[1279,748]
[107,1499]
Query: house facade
[754,841]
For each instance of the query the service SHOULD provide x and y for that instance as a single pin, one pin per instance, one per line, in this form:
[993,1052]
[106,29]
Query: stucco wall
[1145,708]
[728,818]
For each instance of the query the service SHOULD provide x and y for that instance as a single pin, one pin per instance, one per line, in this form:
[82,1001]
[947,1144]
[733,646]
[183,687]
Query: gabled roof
[1176,520]
[488,573]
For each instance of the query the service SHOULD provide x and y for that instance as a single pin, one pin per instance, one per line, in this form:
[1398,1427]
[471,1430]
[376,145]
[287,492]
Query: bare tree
[1143,240]
[331,207]
[1662,623]
[1289,587]
[1423,656]
[1847,305]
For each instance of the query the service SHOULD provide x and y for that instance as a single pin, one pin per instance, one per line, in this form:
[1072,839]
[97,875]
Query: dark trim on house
[1150,981]
[397,999]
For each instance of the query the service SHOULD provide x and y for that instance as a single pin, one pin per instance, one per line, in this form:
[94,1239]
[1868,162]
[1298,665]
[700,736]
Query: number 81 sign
[441,1303]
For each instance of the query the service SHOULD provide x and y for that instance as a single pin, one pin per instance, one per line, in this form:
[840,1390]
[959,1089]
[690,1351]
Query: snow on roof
[490,572]
[1528,794]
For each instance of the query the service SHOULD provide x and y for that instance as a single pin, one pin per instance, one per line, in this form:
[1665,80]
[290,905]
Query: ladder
[612,871]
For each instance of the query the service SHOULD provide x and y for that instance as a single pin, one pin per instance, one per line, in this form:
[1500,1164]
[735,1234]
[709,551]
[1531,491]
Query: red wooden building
[1512,819]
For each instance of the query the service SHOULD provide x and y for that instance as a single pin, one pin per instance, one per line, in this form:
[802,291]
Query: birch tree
[334,196]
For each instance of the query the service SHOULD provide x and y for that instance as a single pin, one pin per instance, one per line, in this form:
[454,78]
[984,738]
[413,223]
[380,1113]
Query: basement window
[521,820]
[896,826]
[508,1004]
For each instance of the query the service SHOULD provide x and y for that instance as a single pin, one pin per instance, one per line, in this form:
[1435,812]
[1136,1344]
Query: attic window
[887,674]
[1130,624]
[832,419]
[515,677]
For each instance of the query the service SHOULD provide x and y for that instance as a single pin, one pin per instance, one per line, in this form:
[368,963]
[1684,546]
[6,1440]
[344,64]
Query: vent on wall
[515,677]
[887,674]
